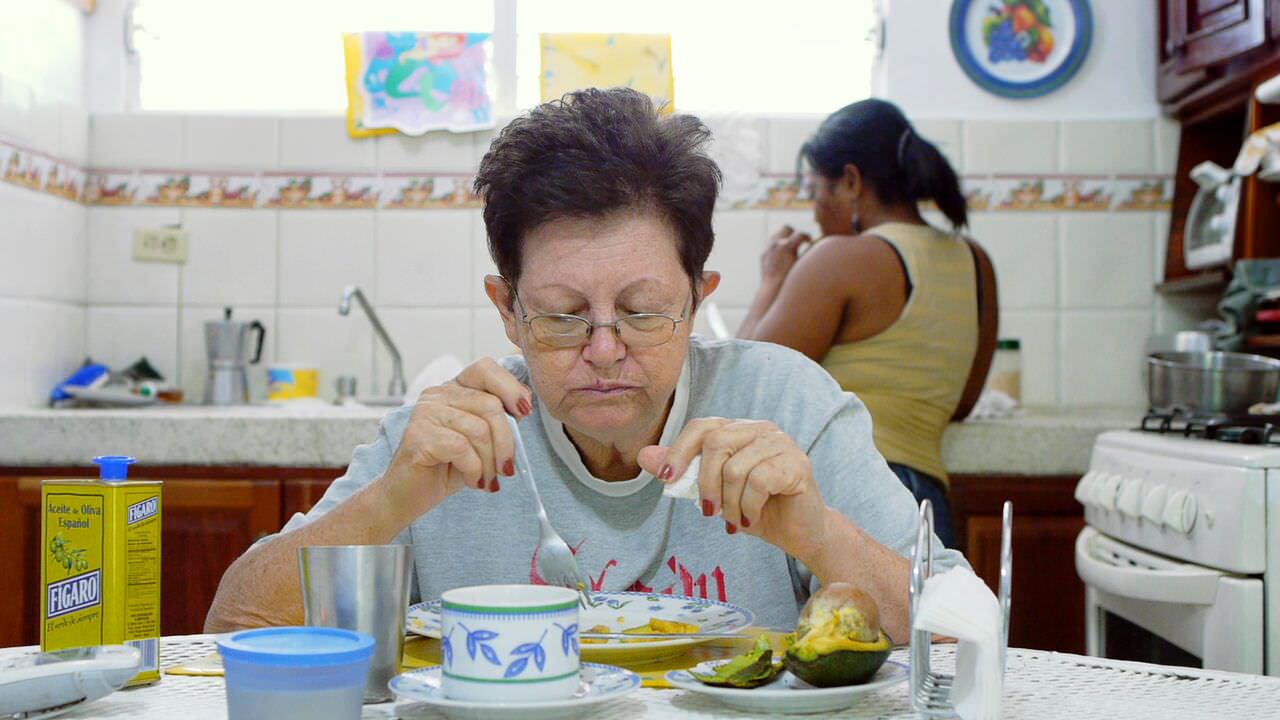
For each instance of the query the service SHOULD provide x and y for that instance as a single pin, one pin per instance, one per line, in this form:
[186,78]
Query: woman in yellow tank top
[887,303]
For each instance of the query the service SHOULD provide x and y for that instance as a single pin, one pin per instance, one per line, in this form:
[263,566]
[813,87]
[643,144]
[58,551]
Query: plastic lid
[1009,344]
[297,646]
[114,468]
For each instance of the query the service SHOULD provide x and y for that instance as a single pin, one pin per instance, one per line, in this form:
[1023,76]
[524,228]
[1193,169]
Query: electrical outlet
[163,244]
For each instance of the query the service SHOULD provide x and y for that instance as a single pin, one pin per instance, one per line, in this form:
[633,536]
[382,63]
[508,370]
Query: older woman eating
[599,217]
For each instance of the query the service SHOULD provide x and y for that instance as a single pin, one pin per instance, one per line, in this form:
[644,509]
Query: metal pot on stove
[1210,383]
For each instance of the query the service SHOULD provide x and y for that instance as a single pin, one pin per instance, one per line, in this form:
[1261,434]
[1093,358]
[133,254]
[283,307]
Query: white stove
[1179,561]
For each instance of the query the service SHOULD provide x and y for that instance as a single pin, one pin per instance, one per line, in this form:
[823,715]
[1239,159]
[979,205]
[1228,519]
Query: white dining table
[1038,685]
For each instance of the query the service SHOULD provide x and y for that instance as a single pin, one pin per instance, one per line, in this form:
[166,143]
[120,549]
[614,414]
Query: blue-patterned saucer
[599,684]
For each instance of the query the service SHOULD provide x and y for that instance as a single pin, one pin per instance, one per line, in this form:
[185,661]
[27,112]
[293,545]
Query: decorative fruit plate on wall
[1020,48]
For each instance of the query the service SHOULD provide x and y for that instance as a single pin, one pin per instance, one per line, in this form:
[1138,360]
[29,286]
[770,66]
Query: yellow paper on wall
[575,61]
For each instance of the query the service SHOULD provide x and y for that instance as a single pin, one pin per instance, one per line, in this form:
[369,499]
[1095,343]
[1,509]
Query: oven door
[1148,608]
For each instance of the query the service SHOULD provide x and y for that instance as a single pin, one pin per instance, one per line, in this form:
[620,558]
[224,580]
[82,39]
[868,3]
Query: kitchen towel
[413,82]
[958,604]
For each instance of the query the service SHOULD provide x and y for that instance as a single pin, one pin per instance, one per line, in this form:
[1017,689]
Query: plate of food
[838,654]
[628,613]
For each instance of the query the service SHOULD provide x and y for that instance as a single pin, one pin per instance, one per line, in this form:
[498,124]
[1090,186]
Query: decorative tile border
[40,172]
[420,191]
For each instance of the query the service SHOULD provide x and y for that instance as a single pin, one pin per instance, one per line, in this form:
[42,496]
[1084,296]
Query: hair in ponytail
[900,165]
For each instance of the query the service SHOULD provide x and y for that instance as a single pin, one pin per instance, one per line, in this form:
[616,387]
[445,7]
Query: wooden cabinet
[1211,32]
[210,517]
[1048,597]
[1210,52]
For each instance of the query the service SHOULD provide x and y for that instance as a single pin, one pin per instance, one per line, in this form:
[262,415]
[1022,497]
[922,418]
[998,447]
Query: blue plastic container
[304,672]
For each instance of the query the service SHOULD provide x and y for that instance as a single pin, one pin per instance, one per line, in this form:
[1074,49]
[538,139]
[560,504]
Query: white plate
[787,693]
[109,397]
[621,610]
[600,684]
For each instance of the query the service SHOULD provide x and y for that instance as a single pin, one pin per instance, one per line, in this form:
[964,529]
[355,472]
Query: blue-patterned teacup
[509,642]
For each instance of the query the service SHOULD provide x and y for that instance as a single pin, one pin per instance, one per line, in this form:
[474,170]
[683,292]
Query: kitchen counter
[1039,442]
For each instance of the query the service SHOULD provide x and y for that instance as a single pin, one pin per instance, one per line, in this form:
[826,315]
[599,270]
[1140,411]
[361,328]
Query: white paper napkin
[958,604]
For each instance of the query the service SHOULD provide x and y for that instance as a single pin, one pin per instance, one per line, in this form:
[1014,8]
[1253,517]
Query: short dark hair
[900,165]
[590,154]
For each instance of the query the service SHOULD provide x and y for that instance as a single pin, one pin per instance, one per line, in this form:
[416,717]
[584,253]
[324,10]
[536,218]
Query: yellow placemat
[425,652]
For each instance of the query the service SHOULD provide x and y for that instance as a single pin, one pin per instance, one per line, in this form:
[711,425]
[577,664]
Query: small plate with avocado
[837,653]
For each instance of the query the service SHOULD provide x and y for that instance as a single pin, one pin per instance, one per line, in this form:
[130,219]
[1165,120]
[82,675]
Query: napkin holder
[930,691]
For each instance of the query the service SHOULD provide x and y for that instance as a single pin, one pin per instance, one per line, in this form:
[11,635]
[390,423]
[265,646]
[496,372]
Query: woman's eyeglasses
[638,330]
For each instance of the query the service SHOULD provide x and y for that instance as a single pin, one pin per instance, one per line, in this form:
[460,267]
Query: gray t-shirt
[627,535]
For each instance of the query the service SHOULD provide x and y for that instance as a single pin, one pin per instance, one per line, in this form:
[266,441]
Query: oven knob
[1130,501]
[1105,491]
[1084,488]
[1180,512]
[1153,505]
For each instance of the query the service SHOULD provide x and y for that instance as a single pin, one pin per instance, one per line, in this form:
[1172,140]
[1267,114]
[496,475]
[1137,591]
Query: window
[269,55]
[727,55]
[286,55]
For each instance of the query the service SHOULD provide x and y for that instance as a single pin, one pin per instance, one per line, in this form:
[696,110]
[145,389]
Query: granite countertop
[1038,442]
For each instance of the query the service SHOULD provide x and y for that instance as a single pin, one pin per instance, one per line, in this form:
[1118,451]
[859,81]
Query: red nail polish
[493,485]
[509,468]
[745,522]
[730,528]
[664,472]
[481,485]
[707,510]
[525,407]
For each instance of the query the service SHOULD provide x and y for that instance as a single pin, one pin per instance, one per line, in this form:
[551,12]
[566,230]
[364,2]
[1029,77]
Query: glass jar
[1006,369]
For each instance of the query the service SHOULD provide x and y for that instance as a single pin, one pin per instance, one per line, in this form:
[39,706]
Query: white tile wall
[1038,332]
[1102,357]
[1010,147]
[322,143]
[1024,250]
[1105,260]
[66,277]
[227,142]
[1168,133]
[435,151]
[115,278]
[42,238]
[421,336]
[133,141]
[118,335]
[46,122]
[323,251]
[1068,280]
[481,262]
[490,339]
[337,345]
[16,118]
[786,135]
[231,257]
[946,135]
[1111,146]
[73,132]
[424,259]
[740,240]
[1185,311]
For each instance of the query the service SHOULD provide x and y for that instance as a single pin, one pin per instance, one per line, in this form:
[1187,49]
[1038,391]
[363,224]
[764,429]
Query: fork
[556,563]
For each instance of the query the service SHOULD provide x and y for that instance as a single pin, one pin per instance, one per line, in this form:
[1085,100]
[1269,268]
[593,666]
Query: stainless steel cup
[364,588]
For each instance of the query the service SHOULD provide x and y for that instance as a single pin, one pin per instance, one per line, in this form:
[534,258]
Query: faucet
[397,388]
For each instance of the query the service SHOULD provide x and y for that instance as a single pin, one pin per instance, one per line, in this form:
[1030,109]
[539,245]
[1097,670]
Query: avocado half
[838,638]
